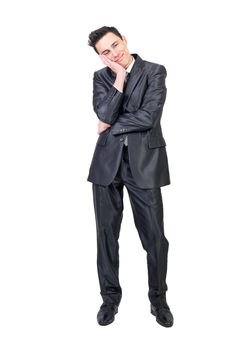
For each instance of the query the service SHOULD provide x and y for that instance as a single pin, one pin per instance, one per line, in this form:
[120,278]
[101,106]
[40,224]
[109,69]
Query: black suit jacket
[136,112]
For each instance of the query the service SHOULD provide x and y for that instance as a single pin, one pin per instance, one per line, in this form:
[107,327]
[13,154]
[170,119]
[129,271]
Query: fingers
[102,126]
[106,60]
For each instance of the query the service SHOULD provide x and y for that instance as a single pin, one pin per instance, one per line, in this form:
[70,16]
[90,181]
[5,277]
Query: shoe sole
[167,325]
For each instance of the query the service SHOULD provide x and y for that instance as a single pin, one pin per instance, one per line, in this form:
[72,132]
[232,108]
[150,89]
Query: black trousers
[147,210]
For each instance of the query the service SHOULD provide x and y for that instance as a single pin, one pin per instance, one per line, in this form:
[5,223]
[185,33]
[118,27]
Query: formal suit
[142,167]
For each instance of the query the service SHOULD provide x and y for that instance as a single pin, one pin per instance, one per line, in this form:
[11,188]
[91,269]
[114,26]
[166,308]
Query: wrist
[122,73]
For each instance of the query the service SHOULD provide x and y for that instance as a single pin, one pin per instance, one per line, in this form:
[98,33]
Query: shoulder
[148,66]
[154,68]
[100,71]
[103,73]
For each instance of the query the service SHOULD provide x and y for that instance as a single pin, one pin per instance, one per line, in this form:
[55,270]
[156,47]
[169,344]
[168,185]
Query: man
[128,98]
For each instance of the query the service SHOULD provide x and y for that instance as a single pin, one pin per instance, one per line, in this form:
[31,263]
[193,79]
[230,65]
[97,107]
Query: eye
[116,44]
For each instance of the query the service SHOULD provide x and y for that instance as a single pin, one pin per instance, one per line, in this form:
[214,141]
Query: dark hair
[97,34]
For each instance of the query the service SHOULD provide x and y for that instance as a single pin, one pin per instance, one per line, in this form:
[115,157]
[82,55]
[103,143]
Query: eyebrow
[111,45]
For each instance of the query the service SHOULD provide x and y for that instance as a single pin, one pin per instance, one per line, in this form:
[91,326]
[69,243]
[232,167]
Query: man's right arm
[106,102]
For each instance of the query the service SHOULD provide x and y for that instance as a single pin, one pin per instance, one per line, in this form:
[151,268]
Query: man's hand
[102,126]
[114,66]
[118,69]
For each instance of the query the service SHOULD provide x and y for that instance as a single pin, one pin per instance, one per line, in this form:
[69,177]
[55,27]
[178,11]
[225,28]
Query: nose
[114,54]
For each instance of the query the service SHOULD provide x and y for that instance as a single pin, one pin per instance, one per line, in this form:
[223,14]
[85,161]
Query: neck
[130,61]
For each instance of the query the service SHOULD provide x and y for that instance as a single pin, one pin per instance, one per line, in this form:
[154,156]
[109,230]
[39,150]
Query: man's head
[109,42]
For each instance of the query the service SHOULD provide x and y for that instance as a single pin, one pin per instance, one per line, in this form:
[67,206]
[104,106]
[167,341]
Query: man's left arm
[150,111]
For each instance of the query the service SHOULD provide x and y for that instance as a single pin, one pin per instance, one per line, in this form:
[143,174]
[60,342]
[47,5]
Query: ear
[124,39]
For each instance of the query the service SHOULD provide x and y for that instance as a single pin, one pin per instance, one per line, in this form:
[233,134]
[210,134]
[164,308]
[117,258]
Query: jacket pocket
[155,138]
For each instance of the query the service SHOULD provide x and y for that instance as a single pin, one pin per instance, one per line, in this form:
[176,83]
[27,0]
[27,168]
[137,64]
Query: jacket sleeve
[106,102]
[150,110]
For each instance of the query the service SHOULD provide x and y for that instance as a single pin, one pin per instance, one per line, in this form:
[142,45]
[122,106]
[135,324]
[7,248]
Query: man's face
[115,49]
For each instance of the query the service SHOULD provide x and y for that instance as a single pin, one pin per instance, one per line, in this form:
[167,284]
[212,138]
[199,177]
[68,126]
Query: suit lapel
[135,75]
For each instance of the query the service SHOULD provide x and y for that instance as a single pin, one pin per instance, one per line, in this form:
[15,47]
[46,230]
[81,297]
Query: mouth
[120,58]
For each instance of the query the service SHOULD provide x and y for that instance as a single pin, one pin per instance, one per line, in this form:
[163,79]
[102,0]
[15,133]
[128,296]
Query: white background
[49,291]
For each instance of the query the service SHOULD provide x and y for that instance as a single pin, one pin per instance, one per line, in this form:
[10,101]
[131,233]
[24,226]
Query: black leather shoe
[163,315]
[106,314]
